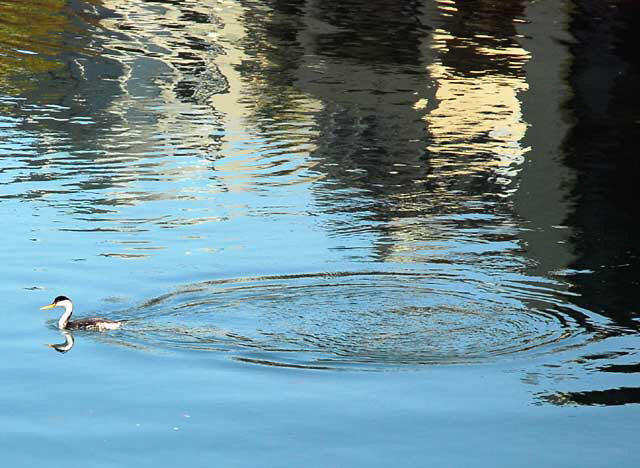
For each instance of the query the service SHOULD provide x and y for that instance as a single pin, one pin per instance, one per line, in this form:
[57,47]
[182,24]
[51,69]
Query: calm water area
[342,234]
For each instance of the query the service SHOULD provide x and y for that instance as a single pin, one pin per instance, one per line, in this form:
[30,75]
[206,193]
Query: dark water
[341,234]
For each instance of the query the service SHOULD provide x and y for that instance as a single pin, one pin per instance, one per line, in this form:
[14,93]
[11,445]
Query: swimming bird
[92,323]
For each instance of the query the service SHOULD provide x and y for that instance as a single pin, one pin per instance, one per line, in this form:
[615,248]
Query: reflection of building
[404,110]
[427,109]
[367,64]
[542,196]
[479,69]
[413,105]
[268,123]
[408,120]
[113,92]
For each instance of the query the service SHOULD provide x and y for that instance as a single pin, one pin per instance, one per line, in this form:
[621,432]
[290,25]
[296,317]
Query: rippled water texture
[301,207]
[192,143]
[364,320]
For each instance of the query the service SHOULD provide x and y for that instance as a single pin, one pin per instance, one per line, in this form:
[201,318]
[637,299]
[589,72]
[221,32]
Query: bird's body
[91,323]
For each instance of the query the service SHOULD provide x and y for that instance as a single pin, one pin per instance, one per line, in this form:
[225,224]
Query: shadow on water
[375,320]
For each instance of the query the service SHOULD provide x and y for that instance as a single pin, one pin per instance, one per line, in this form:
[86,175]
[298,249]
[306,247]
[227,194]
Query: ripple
[365,320]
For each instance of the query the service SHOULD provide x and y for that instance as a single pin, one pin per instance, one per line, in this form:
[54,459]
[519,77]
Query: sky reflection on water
[307,185]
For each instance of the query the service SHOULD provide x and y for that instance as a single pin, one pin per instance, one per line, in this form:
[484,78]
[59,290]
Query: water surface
[341,234]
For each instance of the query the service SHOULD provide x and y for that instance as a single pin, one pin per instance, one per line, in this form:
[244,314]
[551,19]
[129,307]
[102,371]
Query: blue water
[339,235]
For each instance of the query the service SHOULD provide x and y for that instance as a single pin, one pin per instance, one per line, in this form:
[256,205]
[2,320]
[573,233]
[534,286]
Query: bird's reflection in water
[67,345]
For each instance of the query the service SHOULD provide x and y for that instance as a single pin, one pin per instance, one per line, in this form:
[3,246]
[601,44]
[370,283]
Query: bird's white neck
[68,310]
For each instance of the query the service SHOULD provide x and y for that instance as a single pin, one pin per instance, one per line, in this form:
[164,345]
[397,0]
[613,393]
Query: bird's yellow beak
[50,306]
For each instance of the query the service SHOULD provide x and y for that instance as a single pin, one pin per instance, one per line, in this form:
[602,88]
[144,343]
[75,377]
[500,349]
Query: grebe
[93,323]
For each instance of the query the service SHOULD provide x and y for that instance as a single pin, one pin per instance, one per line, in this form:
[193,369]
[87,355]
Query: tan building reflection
[461,115]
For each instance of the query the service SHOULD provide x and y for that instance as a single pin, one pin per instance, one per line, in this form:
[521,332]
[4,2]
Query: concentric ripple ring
[367,320]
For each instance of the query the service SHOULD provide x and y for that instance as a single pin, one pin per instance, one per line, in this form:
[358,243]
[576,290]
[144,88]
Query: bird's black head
[60,298]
